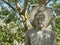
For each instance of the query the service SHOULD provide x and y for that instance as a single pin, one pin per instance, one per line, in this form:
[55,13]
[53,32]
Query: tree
[17,8]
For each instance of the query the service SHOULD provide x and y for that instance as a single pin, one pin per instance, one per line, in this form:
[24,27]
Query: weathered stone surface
[42,34]
[40,37]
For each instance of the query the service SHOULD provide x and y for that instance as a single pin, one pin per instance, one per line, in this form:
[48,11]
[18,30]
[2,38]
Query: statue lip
[40,24]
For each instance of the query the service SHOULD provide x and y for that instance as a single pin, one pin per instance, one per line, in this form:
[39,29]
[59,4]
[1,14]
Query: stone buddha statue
[42,33]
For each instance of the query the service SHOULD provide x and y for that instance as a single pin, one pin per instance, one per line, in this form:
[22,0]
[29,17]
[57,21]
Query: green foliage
[56,5]
[10,32]
[56,8]
[10,28]
[58,28]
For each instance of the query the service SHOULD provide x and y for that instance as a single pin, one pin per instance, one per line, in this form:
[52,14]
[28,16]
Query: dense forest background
[14,20]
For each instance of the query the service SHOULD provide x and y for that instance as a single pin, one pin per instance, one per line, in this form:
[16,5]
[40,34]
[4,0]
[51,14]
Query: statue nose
[39,22]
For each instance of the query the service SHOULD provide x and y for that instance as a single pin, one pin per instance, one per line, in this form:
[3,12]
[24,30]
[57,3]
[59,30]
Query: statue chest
[40,37]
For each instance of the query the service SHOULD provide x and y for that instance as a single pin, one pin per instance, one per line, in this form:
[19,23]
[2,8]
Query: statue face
[39,20]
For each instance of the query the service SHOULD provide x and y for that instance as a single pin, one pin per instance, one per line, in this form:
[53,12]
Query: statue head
[40,17]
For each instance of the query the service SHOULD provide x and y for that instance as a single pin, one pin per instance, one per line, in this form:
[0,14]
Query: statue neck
[49,27]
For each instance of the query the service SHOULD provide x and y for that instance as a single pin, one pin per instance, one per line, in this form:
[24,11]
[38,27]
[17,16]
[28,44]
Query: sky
[58,1]
[22,2]
[5,5]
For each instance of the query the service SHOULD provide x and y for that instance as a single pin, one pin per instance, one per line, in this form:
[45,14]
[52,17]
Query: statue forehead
[39,14]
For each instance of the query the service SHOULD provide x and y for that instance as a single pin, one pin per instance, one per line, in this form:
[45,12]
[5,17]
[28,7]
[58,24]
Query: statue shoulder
[53,32]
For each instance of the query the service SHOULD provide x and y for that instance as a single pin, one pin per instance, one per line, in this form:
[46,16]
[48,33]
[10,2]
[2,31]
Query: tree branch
[17,5]
[25,6]
[47,1]
[38,2]
[43,2]
[11,6]
[22,14]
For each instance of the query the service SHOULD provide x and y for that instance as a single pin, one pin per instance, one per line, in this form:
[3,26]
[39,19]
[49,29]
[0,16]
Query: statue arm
[27,40]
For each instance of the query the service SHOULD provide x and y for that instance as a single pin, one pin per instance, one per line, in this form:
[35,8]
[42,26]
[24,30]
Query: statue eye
[43,19]
[39,11]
